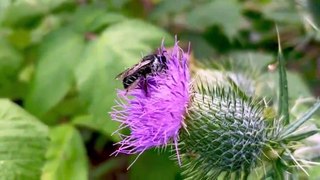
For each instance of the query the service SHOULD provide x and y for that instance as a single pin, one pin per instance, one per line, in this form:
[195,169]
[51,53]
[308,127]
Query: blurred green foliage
[23,140]
[58,60]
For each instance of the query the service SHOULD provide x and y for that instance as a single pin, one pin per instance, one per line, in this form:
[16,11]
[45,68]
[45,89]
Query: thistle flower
[155,118]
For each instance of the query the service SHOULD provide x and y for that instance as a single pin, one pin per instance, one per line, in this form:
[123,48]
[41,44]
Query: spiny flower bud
[226,133]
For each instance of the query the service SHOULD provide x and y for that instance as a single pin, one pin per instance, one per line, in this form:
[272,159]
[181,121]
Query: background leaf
[281,11]
[151,160]
[296,84]
[105,127]
[23,13]
[66,157]
[226,14]
[23,143]
[60,52]
[93,18]
[10,62]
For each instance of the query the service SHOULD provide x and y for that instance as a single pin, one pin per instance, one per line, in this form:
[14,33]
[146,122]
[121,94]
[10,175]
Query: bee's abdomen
[127,81]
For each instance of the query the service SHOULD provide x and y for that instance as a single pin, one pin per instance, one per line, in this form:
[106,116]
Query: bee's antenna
[189,48]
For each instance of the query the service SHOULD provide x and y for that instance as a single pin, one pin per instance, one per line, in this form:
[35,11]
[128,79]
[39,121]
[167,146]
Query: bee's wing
[133,69]
[122,74]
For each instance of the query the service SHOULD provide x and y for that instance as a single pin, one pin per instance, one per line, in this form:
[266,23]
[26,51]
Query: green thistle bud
[226,134]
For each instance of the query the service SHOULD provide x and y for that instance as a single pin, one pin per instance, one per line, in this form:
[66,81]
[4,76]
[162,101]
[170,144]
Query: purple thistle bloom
[155,117]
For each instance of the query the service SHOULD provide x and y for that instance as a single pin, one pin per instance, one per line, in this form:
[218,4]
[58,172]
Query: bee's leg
[145,85]
[126,93]
[131,86]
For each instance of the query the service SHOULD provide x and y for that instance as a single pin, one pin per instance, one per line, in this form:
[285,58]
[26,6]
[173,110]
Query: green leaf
[67,109]
[300,136]
[54,4]
[59,54]
[118,47]
[298,88]
[283,86]
[107,167]
[22,13]
[23,143]
[105,19]
[200,47]
[154,166]
[4,4]
[165,9]
[66,157]
[20,38]
[250,59]
[92,18]
[117,4]
[47,25]
[226,14]
[104,127]
[281,11]
[292,127]
[10,62]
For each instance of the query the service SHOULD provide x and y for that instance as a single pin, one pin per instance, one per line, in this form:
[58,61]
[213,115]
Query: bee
[149,65]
